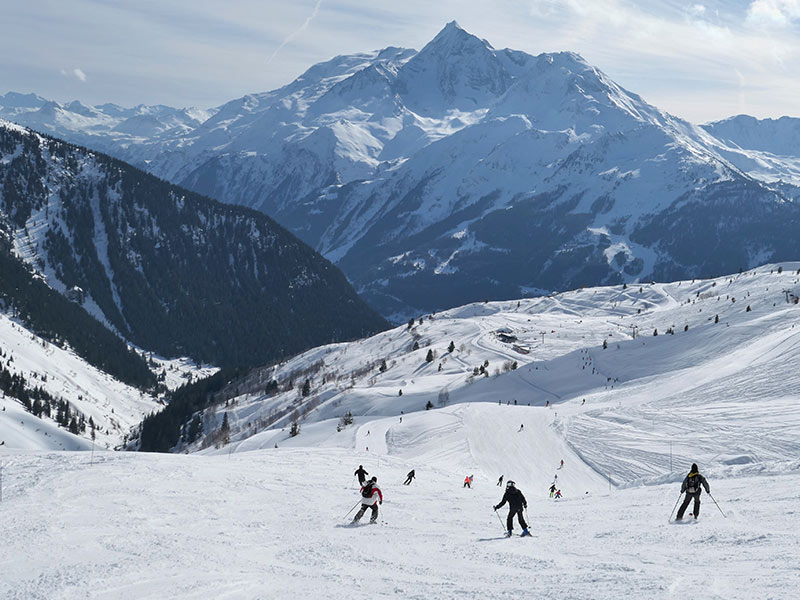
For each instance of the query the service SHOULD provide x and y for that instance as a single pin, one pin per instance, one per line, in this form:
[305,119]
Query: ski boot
[525,532]
[509,533]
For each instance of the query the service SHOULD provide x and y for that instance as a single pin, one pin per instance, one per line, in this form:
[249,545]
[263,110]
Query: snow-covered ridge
[680,359]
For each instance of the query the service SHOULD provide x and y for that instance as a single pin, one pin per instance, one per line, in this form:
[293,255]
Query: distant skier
[547,403]
[500,481]
[521,427]
[692,487]
[552,490]
[561,466]
[468,481]
[409,477]
[361,474]
[371,497]
[516,503]
[558,494]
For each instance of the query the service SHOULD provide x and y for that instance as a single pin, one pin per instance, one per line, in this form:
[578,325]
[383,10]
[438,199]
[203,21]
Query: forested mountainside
[167,269]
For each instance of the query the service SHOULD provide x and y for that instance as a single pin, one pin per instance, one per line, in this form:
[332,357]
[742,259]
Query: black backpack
[366,491]
[693,483]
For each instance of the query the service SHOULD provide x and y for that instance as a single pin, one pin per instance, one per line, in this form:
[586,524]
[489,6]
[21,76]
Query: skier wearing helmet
[516,502]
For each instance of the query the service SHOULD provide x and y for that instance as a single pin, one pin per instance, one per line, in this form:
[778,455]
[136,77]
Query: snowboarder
[371,497]
[361,474]
[409,477]
[558,494]
[552,490]
[692,487]
[500,481]
[516,503]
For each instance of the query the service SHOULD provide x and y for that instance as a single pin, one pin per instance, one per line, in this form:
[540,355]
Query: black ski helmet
[510,484]
[374,479]
[360,466]
[694,467]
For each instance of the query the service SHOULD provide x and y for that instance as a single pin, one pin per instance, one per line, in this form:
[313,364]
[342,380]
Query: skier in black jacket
[409,477]
[692,486]
[516,502]
[361,474]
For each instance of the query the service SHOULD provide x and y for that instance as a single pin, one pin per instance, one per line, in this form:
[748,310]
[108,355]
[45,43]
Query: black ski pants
[408,481]
[364,508]
[510,520]
[686,500]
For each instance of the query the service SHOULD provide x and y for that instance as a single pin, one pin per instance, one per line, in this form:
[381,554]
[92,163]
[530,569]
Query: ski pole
[715,502]
[352,509]
[499,519]
[676,506]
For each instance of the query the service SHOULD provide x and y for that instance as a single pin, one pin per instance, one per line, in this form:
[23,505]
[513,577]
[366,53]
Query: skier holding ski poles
[371,497]
[692,487]
[516,504]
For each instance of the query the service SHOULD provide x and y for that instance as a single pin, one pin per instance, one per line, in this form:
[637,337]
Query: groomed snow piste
[249,520]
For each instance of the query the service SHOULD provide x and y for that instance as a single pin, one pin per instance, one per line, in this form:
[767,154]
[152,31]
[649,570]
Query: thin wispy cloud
[75,74]
[288,39]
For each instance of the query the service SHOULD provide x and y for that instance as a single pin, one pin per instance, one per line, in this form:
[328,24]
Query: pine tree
[429,356]
[225,430]
[306,388]
[451,347]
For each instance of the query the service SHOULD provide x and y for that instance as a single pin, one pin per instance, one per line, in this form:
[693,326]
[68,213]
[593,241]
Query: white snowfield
[249,520]
[272,523]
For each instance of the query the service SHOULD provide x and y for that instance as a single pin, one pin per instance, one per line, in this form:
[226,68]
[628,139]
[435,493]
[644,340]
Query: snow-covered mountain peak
[17,100]
[455,70]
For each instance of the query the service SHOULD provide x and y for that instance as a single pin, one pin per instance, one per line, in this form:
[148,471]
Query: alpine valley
[461,172]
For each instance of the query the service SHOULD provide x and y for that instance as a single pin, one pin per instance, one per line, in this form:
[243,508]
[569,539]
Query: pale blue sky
[698,60]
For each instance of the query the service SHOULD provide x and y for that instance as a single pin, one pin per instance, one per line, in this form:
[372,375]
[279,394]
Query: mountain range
[461,172]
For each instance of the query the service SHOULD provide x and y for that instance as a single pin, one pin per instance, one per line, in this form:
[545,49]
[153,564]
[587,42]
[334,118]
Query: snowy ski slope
[271,523]
[249,520]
